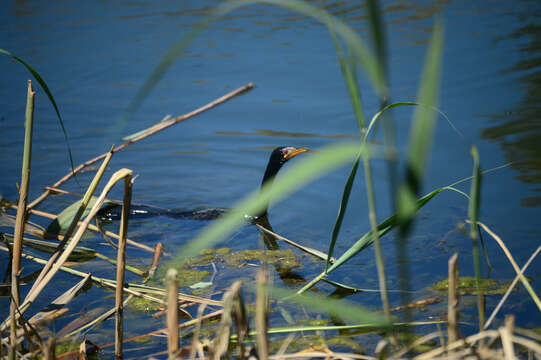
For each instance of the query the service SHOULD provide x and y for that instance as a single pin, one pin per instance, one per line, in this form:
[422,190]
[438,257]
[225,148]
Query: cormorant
[277,159]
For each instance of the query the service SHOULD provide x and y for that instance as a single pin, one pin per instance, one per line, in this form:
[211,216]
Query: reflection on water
[268,132]
[519,130]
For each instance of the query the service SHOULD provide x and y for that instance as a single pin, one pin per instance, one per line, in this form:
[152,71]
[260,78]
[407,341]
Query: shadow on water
[518,130]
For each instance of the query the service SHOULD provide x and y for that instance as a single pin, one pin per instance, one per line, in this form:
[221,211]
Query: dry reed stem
[285,344]
[195,341]
[171,279]
[506,334]
[469,341]
[121,264]
[314,252]
[510,288]
[21,215]
[49,348]
[120,174]
[513,262]
[321,354]
[158,249]
[165,331]
[97,320]
[416,343]
[111,283]
[527,343]
[58,304]
[452,303]
[154,129]
[73,224]
[261,315]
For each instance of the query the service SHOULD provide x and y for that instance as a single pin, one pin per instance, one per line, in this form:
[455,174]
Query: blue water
[95,57]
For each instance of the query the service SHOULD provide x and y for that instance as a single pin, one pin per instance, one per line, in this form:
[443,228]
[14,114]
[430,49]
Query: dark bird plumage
[277,159]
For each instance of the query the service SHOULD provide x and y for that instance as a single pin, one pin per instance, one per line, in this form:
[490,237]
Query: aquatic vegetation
[183,271]
[467,285]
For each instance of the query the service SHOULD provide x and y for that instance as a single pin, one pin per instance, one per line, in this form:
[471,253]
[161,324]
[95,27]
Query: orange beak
[296,152]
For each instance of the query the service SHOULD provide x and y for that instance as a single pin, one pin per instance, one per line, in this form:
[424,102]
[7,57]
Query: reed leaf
[45,88]
[342,211]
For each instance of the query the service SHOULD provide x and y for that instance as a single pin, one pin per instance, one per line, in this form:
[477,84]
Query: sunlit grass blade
[49,94]
[293,178]
[349,73]
[421,134]
[363,55]
[379,114]
[342,210]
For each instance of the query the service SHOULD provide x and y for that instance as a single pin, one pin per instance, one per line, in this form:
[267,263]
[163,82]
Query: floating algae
[282,258]
[467,286]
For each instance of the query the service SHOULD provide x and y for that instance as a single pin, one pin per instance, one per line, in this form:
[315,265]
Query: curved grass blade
[361,243]
[45,88]
[362,53]
[350,76]
[349,183]
[293,178]
[342,210]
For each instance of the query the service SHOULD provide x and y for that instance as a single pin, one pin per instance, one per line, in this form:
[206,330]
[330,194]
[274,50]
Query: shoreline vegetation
[231,327]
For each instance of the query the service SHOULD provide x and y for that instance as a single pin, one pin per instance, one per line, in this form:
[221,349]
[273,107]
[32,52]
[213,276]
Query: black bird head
[279,157]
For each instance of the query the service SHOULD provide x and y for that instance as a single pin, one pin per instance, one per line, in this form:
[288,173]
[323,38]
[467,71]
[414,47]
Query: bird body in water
[279,156]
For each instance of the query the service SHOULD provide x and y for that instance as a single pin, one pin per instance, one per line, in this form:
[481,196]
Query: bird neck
[270,172]
[268,178]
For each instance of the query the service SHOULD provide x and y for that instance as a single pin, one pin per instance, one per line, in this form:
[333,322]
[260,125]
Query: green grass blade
[363,55]
[421,134]
[342,210]
[297,175]
[45,88]
[348,69]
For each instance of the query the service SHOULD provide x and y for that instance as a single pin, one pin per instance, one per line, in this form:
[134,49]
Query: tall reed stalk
[171,279]
[21,217]
[120,265]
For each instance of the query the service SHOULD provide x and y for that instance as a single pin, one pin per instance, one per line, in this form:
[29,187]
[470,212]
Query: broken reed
[171,279]
[121,264]
[21,218]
